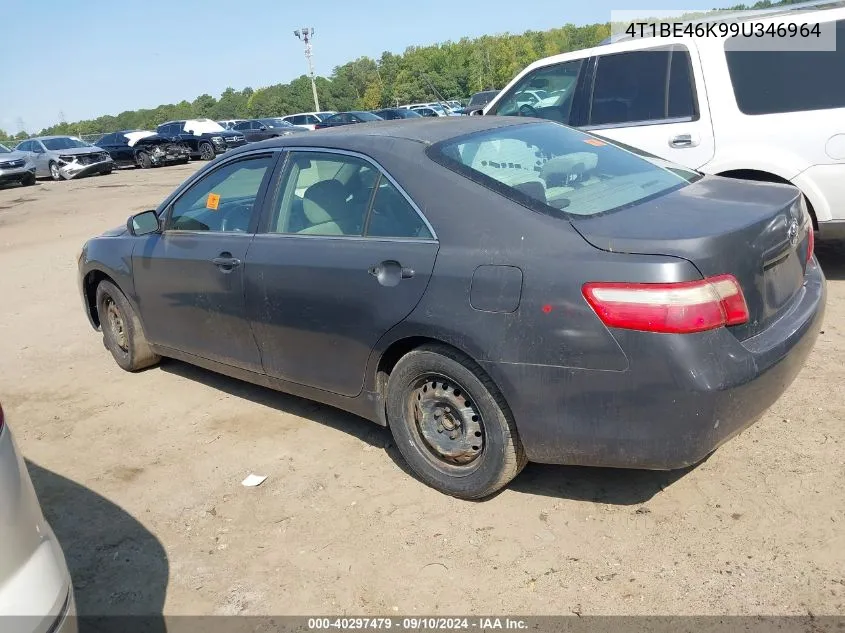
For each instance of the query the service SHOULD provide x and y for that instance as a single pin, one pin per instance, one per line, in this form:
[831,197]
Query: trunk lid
[758,232]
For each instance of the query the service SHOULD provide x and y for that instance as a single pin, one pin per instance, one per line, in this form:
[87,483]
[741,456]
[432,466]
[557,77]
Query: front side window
[557,170]
[26,146]
[223,200]
[37,147]
[547,93]
[777,81]
[640,86]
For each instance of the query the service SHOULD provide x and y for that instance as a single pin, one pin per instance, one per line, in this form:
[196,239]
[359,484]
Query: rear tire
[144,161]
[206,151]
[123,335]
[451,424]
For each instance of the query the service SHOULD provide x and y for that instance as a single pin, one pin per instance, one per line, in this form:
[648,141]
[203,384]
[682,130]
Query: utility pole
[305,35]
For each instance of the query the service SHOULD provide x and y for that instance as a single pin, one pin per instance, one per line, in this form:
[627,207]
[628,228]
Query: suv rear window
[558,170]
[770,82]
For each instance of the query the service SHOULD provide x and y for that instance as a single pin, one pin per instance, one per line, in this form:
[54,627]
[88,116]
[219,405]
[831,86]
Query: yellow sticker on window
[213,201]
[595,142]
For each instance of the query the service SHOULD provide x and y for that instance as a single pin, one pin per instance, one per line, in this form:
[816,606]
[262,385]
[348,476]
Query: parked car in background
[279,123]
[230,123]
[204,137]
[478,101]
[428,111]
[16,167]
[396,113]
[438,109]
[255,130]
[36,593]
[718,105]
[348,118]
[144,149]
[65,157]
[678,308]
[308,119]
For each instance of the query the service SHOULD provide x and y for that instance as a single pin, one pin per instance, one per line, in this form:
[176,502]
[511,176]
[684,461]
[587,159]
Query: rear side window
[558,170]
[771,82]
[641,86]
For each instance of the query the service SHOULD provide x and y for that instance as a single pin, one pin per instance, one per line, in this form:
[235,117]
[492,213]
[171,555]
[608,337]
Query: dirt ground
[140,476]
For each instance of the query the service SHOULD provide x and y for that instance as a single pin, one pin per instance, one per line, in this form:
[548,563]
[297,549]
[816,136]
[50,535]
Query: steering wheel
[234,219]
[528,110]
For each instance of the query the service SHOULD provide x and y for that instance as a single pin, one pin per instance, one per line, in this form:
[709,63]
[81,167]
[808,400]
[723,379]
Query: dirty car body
[65,157]
[617,311]
[36,594]
[143,148]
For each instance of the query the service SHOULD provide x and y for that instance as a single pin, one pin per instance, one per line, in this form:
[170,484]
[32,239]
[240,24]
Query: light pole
[305,35]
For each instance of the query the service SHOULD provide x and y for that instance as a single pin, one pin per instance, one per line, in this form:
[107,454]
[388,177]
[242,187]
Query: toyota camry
[495,290]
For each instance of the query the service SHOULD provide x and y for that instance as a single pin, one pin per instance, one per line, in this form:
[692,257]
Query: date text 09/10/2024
[722,29]
[417,624]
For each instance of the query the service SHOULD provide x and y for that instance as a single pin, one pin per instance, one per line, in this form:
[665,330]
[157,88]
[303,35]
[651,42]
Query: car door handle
[226,262]
[390,272]
[682,140]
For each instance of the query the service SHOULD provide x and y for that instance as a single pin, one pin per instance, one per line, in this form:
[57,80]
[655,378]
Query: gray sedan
[36,594]
[65,157]
[16,167]
[496,290]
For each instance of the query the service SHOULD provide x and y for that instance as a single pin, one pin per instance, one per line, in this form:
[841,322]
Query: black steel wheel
[123,335]
[206,151]
[451,424]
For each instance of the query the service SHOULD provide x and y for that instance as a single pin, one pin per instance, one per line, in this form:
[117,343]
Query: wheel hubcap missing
[447,420]
[115,319]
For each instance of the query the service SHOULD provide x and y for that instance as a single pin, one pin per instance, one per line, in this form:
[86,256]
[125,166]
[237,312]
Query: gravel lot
[140,476]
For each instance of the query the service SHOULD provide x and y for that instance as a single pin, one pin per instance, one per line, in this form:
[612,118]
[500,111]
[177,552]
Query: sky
[83,59]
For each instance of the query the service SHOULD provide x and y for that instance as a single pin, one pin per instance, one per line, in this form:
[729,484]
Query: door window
[26,146]
[223,200]
[324,194]
[786,80]
[547,93]
[640,86]
[37,148]
[393,216]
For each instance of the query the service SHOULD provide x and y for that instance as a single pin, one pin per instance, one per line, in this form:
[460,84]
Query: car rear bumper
[36,594]
[681,397]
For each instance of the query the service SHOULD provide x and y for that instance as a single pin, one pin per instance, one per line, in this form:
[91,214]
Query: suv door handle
[682,140]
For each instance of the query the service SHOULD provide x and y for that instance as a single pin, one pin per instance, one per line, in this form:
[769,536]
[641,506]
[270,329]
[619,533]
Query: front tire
[123,335]
[144,160]
[451,424]
[206,151]
[28,180]
[54,171]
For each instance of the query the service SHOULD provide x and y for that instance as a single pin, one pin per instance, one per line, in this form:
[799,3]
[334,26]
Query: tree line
[454,69]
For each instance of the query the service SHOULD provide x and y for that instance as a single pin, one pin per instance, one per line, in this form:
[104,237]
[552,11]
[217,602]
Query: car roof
[372,137]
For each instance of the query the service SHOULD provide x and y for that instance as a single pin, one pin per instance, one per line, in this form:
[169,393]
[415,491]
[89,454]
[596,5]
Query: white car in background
[308,119]
[36,593]
[701,102]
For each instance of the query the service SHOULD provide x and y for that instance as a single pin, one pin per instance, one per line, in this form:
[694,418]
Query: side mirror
[144,223]
[263,128]
[477,112]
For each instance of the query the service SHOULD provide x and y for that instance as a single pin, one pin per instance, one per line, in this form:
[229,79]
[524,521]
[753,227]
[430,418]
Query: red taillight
[811,243]
[677,308]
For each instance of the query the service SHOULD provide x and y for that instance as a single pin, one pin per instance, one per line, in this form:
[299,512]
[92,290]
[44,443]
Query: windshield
[203,126]
[4,149]
[557,169]
[325,115]
[64,142]
[368,116]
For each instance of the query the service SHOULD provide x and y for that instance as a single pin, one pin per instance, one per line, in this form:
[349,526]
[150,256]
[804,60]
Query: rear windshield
[559,170]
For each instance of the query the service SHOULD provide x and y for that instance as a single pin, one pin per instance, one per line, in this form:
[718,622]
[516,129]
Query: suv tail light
[676,308]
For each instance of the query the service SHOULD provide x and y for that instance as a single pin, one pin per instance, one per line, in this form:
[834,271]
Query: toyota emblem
[792,232]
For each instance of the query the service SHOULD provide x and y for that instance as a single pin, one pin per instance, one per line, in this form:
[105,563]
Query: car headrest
[559,170]
[323,201]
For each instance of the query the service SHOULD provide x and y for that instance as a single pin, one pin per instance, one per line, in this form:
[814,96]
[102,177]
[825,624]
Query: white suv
[762,115]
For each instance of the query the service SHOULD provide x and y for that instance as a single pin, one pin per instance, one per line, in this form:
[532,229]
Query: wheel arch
[393,353]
